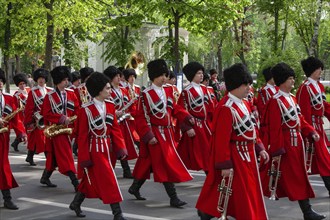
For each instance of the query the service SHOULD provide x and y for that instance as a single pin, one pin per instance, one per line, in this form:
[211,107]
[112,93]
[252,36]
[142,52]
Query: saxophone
[54,129]
[126,115]
[9,117]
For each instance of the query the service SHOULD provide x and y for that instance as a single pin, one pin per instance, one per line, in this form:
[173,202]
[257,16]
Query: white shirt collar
[235,99]
[285,94]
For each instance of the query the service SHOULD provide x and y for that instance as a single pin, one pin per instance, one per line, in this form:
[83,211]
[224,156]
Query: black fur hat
[20,77]
[281,72]
[191,69]
[311,64]
[236,75]
[96,83]
[129,72]
[2,76]
[85,72]
[40,73]
[75,76]
[267,74]
[206,76]
[157,68]
[171,74]
[111,72]
[59,73]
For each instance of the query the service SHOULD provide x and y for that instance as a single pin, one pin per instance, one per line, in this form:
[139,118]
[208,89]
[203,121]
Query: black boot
[116,211]
[29,158]
[45,178]
[171,192]
[135,189]
[73,179]
[8,201]
[309,213]
[126,169]
[326,180]
[75,148]
[76,203]
[204,216]
[15,144]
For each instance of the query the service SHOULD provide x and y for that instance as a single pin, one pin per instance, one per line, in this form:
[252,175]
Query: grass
[328,97]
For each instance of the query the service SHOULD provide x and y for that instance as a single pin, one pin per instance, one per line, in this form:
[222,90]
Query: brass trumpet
[274,174]
[39,120]
[9,117]
[309,153]
[54,129]
[225,193]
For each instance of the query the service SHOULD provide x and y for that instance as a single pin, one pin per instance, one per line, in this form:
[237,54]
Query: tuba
[9,117]
[55,129]
[309,153]
[274,174]
[225,193]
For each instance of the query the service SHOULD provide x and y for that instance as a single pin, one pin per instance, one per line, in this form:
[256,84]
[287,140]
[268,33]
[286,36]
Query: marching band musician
[7,107]
[157,148]
[81,91]
[266,92]
[134,92]
[59,106]
[205,82]
[32,120]
[121,98]
[20,97]
[234,148]
[75,80]
[311,99]
[98,135]
[285,127]
[195,98]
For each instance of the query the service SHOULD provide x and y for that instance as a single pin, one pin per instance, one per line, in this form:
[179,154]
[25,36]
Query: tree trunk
[313,51]
[18,63]
[49,39]
[219,55]
[276,22]
[67,47]
[7,46]
[176,42]
[285,29]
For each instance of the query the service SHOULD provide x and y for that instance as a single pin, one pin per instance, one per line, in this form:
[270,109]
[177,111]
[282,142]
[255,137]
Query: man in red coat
[312,100]
[33,119]
[121,98]
[7,107]
[59,106]
[235,146]
[195,98]
[157,150]
[20,97]
[286,126]
[99,136]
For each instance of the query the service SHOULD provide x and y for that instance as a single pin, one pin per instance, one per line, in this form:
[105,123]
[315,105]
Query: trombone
[274,174]
[225,193]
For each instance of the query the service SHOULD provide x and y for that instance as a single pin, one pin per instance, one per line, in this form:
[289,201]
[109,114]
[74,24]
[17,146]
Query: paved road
[39,202]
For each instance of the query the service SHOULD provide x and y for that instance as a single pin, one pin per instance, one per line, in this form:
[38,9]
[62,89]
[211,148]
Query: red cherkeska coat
[121,99]
[195,151]
[264,94]
[134,93]
[98,139]
[58,148]
[313,107]
[20,98]
[8,105]
[234,145]
[285,127]
[36,137]
[153,119]
[82,94]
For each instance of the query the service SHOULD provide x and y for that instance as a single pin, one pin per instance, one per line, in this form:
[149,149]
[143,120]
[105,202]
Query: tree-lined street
[39,202]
